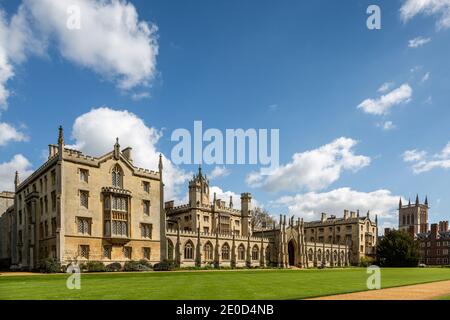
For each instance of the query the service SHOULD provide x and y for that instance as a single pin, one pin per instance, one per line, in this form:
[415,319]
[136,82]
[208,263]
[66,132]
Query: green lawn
[259,284]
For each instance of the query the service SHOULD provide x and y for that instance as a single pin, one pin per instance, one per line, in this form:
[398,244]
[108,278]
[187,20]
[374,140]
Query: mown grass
[256,284]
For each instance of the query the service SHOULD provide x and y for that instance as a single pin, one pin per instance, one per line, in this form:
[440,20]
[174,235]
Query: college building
[76,207]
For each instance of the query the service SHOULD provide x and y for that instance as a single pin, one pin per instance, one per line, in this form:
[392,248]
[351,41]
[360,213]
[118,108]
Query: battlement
[174,232]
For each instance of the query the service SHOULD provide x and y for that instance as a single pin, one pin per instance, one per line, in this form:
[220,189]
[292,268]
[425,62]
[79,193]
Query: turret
[400,203]
[417,200]
[16,180]
[246,212]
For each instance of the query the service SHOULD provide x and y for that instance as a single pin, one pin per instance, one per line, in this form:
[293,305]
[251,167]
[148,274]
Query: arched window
[327,256]
[208,251]
[117,177]
[319,255]
[310,255]
[335,257]
[189,251]
[169,250]
[342,257]
[404,220]
[225,252]
[255,253]
[241,252]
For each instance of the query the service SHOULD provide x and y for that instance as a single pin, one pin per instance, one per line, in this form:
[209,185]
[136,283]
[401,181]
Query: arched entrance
[291,252]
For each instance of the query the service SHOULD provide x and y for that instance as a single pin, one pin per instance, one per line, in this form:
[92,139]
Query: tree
[398,249]
[261,219]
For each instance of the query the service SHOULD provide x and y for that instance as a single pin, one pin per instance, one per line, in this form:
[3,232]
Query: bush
[92,266]
[137,266]
[366,262]
[398,249]
[50,265]
[112,267]
[165,265]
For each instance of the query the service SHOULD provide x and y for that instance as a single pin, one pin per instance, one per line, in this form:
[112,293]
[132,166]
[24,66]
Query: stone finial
[60,136]
[160,164]
[16,179]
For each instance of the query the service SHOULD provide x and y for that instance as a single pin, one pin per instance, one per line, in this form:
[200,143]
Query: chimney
[443,226]
[434,230]
[324,217]
[352,214]
[346,214]
[127,153]
[52,150]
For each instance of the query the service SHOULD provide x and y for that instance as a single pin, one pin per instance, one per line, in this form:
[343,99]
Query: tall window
[189,251]
[84,226]
[120,204]
[146,230]
[255,253]
[84,252]
[169,250]
[107,252]
[119,228]
[117,177]
[146,253]
[127,252]
[53,226]
[310,255]
[226,252]
[146,205]
[241,252]
[84,199]
[208,251]
[146,186]
[53,200]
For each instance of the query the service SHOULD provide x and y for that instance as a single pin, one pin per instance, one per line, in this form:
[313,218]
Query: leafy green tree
[261,219]
[398,249]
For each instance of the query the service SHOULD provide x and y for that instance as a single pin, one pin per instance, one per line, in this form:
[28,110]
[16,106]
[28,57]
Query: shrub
[50,265]
[165,265]
[366,261]
[112,267]
[398,249]
[95,266]
[142,265]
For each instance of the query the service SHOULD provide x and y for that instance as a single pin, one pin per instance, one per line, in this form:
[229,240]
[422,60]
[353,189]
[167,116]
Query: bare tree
[261,219]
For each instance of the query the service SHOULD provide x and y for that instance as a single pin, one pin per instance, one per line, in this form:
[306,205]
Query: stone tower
[246,212]
[199,189]
[413,218]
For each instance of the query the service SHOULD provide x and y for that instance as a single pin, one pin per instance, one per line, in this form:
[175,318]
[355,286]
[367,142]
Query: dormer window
[117,177]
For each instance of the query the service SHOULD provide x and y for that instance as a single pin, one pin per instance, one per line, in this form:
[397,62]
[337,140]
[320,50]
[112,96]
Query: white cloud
[313,170]
[8,169]
[312,204]
[383,104]
[421,163]
[418,42]
[439,8]
[9,133]
[112,40]
[385,87]
[387,125]
[225,196]
[425,78]
[95,133]
[219,171]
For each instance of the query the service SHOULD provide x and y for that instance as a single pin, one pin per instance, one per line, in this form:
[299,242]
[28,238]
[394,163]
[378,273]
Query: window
[146,253]
[53,226]
[84,226]
[188,251]
[120,204]
[226,252]
[319,255]
[438,244]
[84,175]
[146,186]
[146,231]
[127,252]
[208,251]
[41,230]
[53,177]
[205,218]
[53,201]
[46,204]
[117,177]
[20,216]
[119,228]
[84,199]
[205,229]
[241,252]
[46,229]
[310,255]
[107,252]
[84,252]
[146,205]
[255,253]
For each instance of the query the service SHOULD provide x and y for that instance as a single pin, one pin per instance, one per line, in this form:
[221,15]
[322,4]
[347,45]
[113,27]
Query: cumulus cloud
[111,40]
[425,78]
[418,42]
[437,8]
[383,104]
[387,125]
[9,133]
[422,163]
[95,132]
[8,169]
[312,170]
[219,171]
[385,87]
[311,205]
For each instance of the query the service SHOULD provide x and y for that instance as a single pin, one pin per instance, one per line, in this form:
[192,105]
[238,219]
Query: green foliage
[92,266]
[50,265]
[366,261]
[398,249]
[137,266]
[112,267]
[165,265]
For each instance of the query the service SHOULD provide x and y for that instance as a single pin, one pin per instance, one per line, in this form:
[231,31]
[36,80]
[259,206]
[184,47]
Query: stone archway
[291,252]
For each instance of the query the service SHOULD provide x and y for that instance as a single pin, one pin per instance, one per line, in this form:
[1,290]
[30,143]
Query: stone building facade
[6,203]
[76,207]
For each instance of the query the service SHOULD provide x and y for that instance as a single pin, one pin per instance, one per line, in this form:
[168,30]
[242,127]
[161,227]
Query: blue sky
[301,66]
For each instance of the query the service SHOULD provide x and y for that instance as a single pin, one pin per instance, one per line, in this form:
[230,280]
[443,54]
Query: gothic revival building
[76,207]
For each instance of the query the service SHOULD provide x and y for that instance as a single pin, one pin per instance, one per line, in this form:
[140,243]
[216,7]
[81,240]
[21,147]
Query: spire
[60,136]
[16,179]
[426,201]
[160,165]
[400,203]
[199,170]
[117,149]
[417,199]
[409,202]
[231,201]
